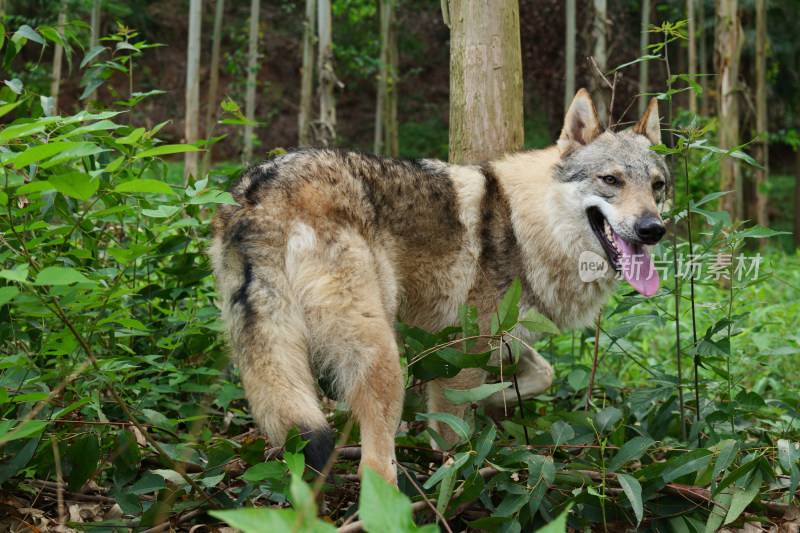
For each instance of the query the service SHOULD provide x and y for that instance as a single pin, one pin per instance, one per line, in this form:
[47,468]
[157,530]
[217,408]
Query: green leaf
[686,464]
[163,211]
[633,490]
[7,294]
[149,483]
[15,84]
[742,496]
[608,417]
[461,459]
[459,426]
[214,197]
[84,454]
[458,397]
[20,274]
[302,499]
[296,462]
[384,509]
[559,525]
[60,276]
[758,232]
[166,149]
[144,185]
[75,185]
[29,33]
[736,474]
[265,519]
[717,514]
[132,137]
[91,54]
[631,450]
[561,432]
[42,151]
[726,456]
[507,312]
[262,471]
[26,429]
[538,323]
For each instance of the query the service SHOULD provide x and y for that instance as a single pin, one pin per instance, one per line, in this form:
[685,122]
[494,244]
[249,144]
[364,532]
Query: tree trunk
[644,66]
[94,36]
[58,55]
[192,87]
[211,105]
[692,45]
[392,127]
[250,93]
[600,59]
[762,141]
[304,137]
[701,20]
[485,80]
[569,75]
[385,15]
[326,131]
[728,37]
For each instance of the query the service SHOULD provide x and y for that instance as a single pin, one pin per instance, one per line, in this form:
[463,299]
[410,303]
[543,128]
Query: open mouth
[632,259]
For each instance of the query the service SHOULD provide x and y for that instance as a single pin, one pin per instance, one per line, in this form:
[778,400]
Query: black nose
[650,229]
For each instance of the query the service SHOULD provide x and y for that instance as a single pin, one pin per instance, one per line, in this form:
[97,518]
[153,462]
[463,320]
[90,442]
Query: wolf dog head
[620,185]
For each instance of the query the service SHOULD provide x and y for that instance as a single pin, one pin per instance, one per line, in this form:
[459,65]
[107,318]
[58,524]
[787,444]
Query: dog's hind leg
[269,344]
[348,293]
[282,392]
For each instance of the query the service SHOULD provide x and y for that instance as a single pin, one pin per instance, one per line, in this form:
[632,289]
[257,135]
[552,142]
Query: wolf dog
[328,248]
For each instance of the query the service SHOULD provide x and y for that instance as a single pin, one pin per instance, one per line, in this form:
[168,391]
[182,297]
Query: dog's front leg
[534,376]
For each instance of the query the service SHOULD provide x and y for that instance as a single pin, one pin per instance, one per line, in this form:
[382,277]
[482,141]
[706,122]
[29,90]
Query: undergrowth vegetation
[679,413]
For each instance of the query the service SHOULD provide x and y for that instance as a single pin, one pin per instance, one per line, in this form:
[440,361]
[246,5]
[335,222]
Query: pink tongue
[637,267]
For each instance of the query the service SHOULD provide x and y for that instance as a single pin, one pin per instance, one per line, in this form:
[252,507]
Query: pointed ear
[649,125]
[581,125]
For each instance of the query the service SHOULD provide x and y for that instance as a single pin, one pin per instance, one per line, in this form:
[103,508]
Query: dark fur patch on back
[319,447]
[500,252]
[259,179]
[240,296]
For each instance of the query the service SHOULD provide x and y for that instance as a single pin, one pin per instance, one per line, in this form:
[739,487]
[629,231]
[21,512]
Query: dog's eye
[657,186]
[611,180]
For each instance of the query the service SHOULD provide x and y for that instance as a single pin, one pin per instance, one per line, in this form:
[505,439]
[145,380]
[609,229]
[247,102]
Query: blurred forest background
[417,43]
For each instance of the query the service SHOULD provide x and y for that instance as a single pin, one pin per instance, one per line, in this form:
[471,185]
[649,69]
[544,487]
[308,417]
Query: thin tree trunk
[211,104]
[701,20]
[326,132]
[58,55]
[569,75]
[250,93]
[692,53]
[94,36]
[385,15]
[762,143]
[392,126]
[192,87]
[304,136]
[728,45]
[599,54]
[644,66]
[485,80]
